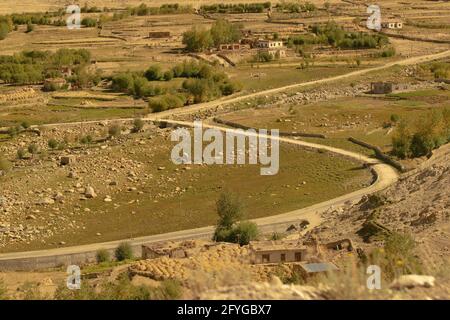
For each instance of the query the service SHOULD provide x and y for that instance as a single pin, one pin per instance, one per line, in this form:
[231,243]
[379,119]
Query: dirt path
[385,175]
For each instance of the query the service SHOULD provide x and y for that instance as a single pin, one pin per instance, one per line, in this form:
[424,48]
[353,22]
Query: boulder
[90,192]
[67,160]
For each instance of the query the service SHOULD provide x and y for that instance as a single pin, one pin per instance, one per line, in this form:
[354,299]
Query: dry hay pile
[210,260]
[18,95]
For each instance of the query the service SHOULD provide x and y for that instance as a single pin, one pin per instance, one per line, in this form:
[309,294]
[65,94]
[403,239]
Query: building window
[265,258]
[298,256]
[283,257]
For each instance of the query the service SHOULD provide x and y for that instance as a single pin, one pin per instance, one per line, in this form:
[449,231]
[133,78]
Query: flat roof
[319,267]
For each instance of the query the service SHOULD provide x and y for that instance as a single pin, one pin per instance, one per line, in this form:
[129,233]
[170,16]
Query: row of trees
[422,137]
[296,7]
[333,34]
[198,39]
[236,8]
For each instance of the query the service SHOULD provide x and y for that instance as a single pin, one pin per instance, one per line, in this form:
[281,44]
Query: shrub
[243,233]
[153,73]
[86,139]
[103,256]
[115,130]
[14,131]
[33,148]
[21,152]
[197,39]
[138,125]
[25,124]
[168,75]
[53,144]
[124,252]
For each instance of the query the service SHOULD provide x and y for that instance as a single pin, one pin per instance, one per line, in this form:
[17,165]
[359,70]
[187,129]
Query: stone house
[268,252]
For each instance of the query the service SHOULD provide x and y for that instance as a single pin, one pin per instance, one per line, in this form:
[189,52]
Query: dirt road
[385,174]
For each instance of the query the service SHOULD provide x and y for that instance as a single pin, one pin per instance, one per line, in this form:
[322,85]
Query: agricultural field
[366,118]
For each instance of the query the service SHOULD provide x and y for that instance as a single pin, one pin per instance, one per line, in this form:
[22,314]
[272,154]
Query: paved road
[385,174]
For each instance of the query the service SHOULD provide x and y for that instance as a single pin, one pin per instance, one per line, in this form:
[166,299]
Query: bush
[14,131]
[168,101]
[124,252]
[138,125]
[33,148]
[197,39]
[153,73]
[86,139]
[168,75]
[103,256]
[25,124]
[114,130]
[52,144]
[243,233]
[21,152]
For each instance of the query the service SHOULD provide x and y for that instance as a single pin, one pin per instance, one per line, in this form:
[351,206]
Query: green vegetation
[122,289]
[296,7]
[114,130]
[35,66]
[203,83]
[333,34]
[138,125]
[103,256]
[198,39]
[124,252]
[236,8]
[423,136]
[228,229]
[33,148]
[397,257]
[87,139]
[440,70]
[21,152]
[53,144]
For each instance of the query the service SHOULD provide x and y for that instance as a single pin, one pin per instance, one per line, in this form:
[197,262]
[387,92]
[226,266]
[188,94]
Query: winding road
[385,176]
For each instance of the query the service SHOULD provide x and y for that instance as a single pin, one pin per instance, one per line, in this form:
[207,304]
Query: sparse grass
[327,176]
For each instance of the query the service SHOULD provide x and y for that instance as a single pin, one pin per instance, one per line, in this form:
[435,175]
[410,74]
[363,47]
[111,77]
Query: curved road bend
[385,176]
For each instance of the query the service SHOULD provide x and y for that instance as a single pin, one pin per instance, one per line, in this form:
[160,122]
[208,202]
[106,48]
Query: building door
[298,256]
[283,257]
[265,258]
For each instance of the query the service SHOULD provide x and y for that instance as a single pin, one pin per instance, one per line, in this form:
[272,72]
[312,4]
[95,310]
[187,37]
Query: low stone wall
[379,154]
[282,133]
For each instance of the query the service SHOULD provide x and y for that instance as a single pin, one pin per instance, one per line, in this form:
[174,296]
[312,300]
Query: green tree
[197,39]
[223,31]
[124,252]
